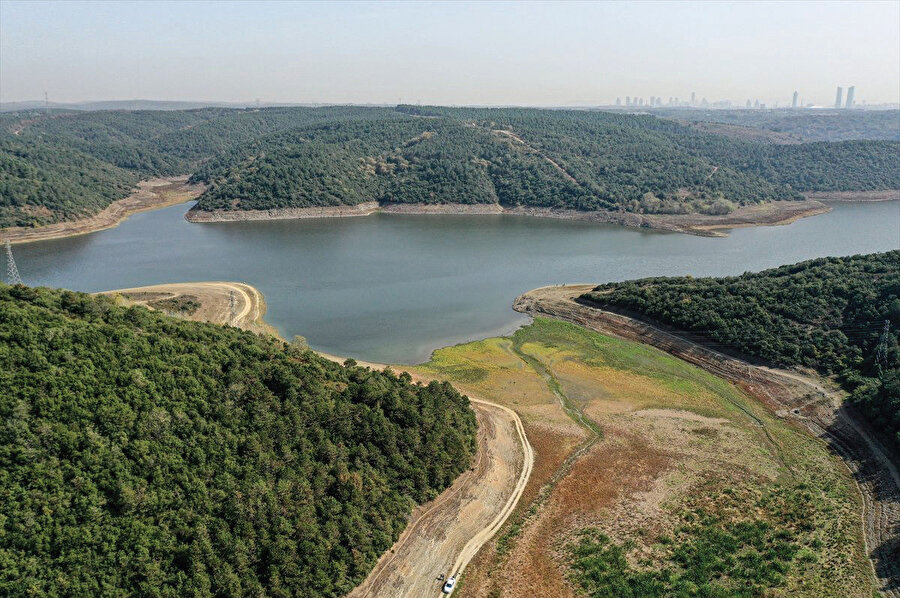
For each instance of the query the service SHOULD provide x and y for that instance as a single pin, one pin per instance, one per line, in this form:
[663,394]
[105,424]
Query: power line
[12,273]
[881,352]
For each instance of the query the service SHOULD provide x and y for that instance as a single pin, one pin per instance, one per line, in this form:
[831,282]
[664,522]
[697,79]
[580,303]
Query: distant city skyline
[485,53]
[796,101]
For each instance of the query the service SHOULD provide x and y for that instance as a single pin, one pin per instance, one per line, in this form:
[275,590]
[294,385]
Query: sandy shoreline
[774,213]
[151,194]
[159,193]
[234,303]
[855,196]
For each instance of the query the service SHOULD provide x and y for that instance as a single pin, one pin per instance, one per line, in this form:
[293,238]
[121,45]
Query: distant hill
[344,155]
[799,125]
[144,455]
[134,105]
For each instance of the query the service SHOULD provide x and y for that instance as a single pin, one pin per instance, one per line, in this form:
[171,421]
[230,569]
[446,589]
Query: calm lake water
[392,288]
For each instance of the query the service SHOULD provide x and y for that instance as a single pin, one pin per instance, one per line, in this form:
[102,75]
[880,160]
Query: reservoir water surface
[392,288]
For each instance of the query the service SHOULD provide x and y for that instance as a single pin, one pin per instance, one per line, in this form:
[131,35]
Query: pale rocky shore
[151,194]
[774,213]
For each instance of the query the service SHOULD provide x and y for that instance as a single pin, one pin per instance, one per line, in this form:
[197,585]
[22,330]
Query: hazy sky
[448,53]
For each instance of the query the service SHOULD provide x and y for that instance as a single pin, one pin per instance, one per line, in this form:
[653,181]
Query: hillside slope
[145,455]
[278,158]
[837,315]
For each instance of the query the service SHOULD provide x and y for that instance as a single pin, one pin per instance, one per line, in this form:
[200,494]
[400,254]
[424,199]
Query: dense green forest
[838,315]
[150,456]
[802,125]
[301,157]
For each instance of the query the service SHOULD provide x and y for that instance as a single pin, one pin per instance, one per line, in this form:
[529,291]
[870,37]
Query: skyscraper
[794,101]
[628,100]
[618,101]
[693,98]
[850,93]
[838,97]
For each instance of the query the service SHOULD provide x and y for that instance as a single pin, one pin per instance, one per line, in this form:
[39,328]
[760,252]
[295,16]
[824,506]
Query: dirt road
[811,401]
[444,535]
[214,298]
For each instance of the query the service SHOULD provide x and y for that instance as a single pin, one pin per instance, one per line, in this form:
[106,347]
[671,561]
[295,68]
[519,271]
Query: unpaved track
[818,407]
[444,535]
[215,300]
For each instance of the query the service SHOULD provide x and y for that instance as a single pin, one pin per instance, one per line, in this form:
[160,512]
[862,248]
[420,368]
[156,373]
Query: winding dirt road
[444,535]
[808,400]
[214,298]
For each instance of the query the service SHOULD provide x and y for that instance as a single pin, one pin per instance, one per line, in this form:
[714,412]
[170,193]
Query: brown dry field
[668,433]
[149,195]
[805,426]
[624,438]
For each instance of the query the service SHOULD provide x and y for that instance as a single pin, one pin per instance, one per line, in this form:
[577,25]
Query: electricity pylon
[12,273]
[881,353]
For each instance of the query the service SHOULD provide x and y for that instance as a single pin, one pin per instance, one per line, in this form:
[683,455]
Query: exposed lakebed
[392,288]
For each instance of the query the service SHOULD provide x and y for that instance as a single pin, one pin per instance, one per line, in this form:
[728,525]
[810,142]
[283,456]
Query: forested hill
[800,125]
[838,315]
[549,158]
[62,165]
[143,455]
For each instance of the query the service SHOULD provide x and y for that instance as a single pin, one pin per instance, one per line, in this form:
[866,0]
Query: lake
[392,288]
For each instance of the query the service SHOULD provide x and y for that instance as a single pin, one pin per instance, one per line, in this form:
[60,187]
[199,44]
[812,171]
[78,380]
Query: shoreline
[787,393]
[854,196]
[154,194]
[151,194]
[215,303]
[488,493]
[769,214]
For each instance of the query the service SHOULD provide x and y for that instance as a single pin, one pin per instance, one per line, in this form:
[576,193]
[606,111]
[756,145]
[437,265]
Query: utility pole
[12,273]
[232,308]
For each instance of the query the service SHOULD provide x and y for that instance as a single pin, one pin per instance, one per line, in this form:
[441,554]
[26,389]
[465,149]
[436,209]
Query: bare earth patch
[793,400]
[150,195]
[886,195]
[214,298]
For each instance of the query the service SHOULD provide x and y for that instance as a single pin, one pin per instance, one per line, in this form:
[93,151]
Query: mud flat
[150,195]
[768,214]
[773,213]
[885,195]
[363,209]
[805,400]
